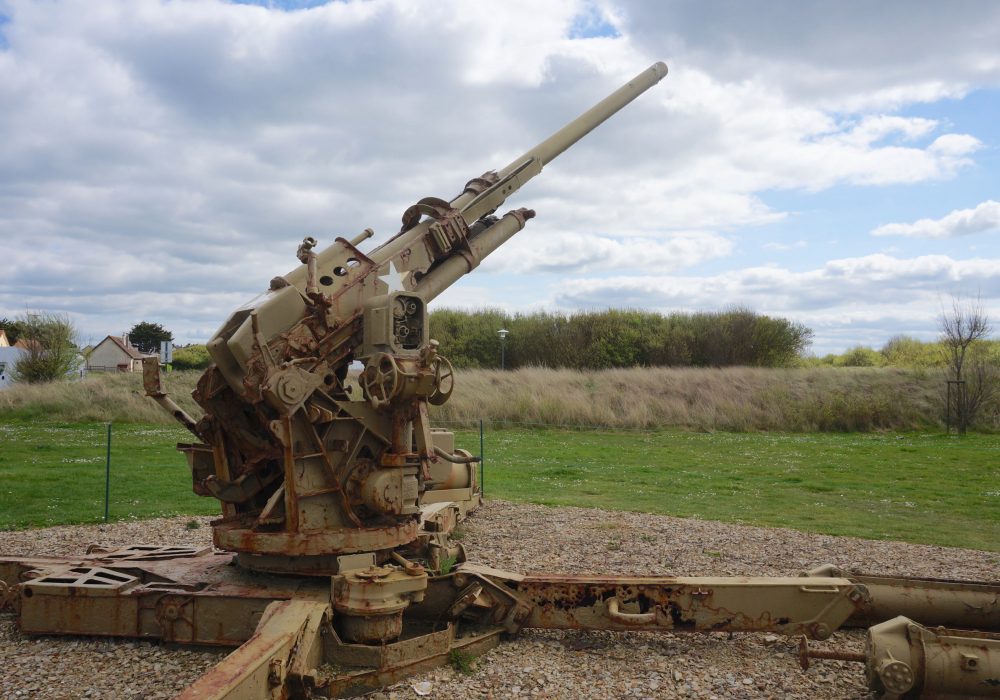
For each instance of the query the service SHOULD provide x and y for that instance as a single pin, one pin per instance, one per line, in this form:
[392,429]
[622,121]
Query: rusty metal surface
[231,536]
[807,654]
[905,658]
[417,655]
[931,601]
[175,594]
[187,595]
[789,605]
[260,668]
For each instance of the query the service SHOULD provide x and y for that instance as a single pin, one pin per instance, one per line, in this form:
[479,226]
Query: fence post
[482,486]
[107,477]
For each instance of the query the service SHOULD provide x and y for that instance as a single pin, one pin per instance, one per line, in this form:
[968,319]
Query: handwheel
[444,381]
[381,380]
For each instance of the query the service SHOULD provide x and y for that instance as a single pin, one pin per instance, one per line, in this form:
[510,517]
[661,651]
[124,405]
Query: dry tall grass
[736,399]
[99,397]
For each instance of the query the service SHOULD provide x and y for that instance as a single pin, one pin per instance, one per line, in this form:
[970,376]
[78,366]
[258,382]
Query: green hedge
[609,339]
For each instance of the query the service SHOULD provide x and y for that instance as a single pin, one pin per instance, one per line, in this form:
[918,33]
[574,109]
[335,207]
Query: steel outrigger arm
[290,646]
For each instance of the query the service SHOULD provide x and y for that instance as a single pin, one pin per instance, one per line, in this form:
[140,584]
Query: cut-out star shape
[393,279]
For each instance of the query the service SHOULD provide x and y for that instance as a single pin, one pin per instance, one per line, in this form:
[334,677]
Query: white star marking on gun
[393,279]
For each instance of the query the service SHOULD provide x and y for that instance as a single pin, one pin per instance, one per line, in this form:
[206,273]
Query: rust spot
[676,616]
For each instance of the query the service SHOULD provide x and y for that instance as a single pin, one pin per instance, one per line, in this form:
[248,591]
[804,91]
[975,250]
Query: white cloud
[845,281]
[546,251]
[961,222]
[955,146]
[156,153]
[750,137]
[879,294]
[877,127]
[845,56]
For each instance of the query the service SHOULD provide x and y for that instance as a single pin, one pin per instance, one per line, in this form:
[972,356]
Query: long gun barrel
[558,142]
[473,203]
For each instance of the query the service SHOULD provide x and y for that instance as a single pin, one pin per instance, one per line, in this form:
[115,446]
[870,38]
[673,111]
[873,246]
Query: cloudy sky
[835,163]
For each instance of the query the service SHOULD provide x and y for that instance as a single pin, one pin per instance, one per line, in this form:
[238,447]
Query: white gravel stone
[538,663]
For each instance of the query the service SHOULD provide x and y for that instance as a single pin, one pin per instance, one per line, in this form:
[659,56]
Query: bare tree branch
[973,375]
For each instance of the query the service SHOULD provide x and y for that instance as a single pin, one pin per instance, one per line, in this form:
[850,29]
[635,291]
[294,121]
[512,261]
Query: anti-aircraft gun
[306,470]
[338,500]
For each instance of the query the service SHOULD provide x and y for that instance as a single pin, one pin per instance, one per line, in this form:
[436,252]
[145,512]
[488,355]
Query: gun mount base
[318,553]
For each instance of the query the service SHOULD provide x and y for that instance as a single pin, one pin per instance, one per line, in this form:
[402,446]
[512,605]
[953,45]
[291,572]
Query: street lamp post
[503,341]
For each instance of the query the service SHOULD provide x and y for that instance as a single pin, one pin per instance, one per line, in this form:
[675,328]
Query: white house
[114,354]
[8,357]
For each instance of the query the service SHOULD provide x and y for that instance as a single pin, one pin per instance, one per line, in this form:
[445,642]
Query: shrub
[191,357]
[861,356]
[906,351]
[51,351]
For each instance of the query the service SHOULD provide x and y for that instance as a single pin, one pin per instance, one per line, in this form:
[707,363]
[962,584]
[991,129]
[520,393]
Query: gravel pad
[537,664]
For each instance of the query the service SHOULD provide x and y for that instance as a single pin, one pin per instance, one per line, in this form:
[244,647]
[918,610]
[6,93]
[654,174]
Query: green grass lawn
[53,474]
[913,487]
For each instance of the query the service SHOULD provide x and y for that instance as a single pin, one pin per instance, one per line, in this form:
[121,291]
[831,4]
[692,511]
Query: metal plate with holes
[80,600]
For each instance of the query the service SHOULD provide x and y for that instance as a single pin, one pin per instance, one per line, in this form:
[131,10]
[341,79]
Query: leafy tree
[778,342]
[615,339]
[50,352]
[673,344]
[539,338]
[147,336]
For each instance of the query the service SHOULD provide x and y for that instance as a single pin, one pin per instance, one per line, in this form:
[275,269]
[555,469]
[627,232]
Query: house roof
[127,349]
[26,344]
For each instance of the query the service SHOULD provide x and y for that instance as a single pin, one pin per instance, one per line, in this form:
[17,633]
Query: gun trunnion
[334,570]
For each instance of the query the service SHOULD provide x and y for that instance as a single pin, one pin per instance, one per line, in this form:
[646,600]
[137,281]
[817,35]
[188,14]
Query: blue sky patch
[4,19]
[590,24]
[286,5]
